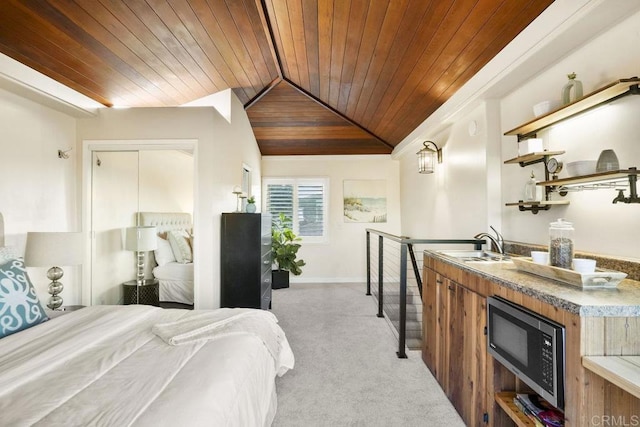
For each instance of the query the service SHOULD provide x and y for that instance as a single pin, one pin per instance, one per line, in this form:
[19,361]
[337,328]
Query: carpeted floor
[347,372]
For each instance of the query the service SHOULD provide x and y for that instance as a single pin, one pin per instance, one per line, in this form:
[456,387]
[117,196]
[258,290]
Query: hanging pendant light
[427,157]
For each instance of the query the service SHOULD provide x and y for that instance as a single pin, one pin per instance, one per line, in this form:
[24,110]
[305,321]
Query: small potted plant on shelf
[284,251]
[251,205]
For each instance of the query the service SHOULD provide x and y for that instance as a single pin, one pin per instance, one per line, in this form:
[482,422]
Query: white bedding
[103,365]
[175,282]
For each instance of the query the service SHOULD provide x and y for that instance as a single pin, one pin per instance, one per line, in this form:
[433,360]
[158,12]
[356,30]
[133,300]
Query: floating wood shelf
[532,157]
[505,400]
[601,96]
[622,371]
[542,203]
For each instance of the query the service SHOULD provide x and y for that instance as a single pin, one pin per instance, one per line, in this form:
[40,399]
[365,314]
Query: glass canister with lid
[561,243]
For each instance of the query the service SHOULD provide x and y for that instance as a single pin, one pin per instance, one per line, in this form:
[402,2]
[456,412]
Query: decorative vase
[607,161]
[251,208]
[567,95]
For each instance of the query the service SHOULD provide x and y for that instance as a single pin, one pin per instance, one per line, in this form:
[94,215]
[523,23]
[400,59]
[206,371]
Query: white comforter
[103,365]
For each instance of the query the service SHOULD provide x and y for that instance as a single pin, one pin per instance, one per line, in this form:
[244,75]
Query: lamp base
[55,288]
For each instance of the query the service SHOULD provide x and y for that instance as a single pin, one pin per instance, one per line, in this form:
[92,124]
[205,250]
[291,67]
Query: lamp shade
[140,239]
[46,249]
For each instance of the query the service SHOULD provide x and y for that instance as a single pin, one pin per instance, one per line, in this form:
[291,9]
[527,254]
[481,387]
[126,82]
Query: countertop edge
[583,310]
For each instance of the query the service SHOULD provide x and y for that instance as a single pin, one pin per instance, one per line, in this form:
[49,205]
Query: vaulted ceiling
[316,76]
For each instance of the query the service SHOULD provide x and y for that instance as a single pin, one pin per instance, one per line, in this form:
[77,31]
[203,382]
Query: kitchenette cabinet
[597,323]
[454,318]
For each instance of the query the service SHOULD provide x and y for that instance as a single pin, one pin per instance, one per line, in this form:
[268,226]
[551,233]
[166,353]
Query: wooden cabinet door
[474,357]
[442,333]
[457,344]
[429,319]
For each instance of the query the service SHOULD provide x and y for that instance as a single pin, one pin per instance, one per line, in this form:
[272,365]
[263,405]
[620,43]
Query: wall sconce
[427,157]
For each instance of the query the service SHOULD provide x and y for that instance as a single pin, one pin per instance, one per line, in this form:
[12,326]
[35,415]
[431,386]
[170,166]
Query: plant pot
[279,279]
[251,208]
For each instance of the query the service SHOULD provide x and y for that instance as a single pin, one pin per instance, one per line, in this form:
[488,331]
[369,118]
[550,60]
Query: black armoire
[245,254]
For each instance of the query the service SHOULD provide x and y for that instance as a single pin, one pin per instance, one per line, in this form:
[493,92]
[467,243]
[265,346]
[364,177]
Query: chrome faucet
[497,242]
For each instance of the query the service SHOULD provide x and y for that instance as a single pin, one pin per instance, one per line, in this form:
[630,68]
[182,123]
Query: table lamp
[46,249]
[140,240]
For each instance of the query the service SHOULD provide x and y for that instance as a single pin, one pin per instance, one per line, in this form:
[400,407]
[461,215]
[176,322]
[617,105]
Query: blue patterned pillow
[19,305]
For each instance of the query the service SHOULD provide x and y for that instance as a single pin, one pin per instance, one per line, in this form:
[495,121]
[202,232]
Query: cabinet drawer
[265,246]
[265,301]
[265,262]
[265,281]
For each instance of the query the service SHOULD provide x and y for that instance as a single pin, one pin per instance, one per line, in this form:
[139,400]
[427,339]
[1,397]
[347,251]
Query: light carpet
[347,372]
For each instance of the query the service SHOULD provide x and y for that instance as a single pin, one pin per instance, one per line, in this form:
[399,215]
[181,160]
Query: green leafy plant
[284,246]
[251,199]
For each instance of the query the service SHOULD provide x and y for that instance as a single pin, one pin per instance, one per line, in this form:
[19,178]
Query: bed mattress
[103,365]
[175,282]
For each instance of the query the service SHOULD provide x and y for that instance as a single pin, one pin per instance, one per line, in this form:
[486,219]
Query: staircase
[391,309]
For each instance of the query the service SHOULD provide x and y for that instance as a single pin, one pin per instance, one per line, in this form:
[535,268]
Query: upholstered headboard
[165,221]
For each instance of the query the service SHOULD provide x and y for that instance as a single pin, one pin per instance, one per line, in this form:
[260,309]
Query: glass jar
[561,243]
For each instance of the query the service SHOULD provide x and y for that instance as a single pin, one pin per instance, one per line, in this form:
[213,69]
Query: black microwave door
[517,343]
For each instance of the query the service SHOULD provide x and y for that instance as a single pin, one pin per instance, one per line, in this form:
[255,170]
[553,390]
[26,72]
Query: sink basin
[475,255]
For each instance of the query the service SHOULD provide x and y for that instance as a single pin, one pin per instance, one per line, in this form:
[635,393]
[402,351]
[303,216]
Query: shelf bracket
[534,209]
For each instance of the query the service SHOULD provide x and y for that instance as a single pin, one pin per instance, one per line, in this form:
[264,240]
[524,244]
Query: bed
[136,364]
[175,276]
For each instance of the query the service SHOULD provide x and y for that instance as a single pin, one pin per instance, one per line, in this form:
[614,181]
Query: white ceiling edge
[17,78]
[221,101]
[563,26]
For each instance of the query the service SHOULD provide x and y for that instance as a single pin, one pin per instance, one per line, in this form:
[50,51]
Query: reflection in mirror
[125,183]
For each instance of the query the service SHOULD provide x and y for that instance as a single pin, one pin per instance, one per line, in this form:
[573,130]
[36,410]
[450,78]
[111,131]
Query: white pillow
[179,240]
[164,253]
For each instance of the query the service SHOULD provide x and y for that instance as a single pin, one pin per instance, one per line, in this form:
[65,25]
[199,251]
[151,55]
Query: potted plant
[284,251]
[251,205]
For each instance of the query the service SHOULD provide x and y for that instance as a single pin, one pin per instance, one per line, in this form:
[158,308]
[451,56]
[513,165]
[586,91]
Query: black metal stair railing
[403,251]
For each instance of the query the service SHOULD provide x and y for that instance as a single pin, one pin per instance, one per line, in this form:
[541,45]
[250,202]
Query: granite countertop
[623,301]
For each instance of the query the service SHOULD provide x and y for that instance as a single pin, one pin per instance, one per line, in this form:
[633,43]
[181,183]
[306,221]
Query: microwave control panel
[547,362]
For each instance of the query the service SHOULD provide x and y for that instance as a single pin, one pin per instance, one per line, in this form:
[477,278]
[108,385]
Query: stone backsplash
[629,266]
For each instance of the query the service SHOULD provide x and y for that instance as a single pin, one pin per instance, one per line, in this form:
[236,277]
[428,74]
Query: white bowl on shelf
[542,108]
[581,167]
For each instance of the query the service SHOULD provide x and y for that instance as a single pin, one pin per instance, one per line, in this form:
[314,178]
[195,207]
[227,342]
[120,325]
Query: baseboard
[294,279]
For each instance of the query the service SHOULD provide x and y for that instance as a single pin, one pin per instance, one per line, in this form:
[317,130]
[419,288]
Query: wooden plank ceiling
[316,76]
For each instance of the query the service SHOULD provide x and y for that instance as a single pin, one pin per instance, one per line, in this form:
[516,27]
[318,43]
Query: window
[302,199]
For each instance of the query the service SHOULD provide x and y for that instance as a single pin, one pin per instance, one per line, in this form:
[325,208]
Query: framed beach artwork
[365,200]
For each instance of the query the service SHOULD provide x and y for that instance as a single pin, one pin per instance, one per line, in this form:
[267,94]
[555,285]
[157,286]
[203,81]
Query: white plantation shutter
[280,199]
[304,200]
[311,210]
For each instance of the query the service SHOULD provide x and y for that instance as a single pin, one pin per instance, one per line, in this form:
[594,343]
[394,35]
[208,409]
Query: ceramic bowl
[542,108]
[608,161]
[581,167]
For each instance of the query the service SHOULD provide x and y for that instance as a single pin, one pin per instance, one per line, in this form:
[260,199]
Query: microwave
[529,345]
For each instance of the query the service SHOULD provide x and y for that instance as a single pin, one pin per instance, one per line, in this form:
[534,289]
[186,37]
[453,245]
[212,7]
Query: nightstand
[149,292]
[63,310]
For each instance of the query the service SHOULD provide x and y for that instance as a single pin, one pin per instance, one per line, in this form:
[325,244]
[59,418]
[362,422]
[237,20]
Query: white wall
[468,193]
[222,148]
[166,181]
[601,227]
[343,257]
[451,203]
[37,189]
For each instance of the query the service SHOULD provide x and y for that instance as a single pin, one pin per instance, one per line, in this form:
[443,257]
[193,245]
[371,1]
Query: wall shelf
[505,400]
[535,207]
[531,158]
[608,93]
[621,176]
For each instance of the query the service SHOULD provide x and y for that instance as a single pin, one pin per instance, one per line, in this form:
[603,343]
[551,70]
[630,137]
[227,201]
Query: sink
[475,255]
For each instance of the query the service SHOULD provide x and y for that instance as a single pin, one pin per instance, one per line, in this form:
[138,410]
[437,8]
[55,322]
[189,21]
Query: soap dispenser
[532,191]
